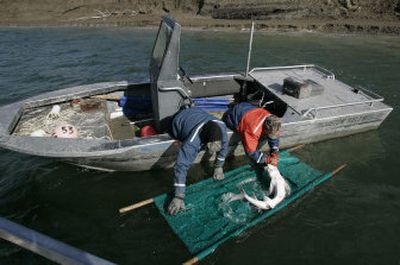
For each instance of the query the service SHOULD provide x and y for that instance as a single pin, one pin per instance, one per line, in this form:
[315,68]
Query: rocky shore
[340,16]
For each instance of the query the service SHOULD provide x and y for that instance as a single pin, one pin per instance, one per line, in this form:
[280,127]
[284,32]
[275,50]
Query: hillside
[372,16]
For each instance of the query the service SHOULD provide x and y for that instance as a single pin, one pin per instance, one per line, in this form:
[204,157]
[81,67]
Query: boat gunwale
[167,141]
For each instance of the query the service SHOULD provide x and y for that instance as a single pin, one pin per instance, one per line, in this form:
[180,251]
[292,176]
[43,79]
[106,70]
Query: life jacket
[251,127]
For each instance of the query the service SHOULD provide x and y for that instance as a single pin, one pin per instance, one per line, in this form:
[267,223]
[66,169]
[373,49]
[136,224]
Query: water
[352,219]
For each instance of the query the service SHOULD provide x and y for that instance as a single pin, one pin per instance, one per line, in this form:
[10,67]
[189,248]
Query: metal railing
[178,89]
[359,90]
[314,111]
[328,74]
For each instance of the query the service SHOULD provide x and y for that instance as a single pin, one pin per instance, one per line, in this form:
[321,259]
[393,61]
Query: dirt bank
[349,16]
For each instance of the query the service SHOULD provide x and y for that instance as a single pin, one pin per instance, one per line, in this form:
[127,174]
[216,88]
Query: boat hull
[139,154]
[163,154]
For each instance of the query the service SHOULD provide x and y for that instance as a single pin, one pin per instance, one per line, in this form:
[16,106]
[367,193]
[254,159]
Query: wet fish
[230,197]
[278,188]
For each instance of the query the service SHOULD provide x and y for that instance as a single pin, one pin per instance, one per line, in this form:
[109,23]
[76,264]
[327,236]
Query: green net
[213,215]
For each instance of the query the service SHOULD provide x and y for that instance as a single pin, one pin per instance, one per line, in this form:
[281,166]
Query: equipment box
[301,88]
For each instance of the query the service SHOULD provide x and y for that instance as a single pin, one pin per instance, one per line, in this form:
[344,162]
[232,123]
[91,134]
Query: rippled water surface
[352,219]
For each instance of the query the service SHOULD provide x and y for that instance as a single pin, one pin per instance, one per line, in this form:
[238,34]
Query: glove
[218,173]
[272,159]
[177,204]
[54,113]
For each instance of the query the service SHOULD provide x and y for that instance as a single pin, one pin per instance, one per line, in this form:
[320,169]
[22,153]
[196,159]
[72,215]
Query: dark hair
[210,132]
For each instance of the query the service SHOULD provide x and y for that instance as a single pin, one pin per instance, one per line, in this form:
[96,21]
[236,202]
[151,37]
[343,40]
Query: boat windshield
[165,51]
[161,45]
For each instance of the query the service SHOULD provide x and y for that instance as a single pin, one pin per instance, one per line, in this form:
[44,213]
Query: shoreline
[201,23]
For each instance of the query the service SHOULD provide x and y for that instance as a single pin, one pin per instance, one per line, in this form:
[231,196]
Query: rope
[85,122]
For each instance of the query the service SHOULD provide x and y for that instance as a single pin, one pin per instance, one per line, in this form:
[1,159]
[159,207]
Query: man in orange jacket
[252,123]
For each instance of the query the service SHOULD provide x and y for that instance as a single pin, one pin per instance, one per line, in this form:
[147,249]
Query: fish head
[272,170]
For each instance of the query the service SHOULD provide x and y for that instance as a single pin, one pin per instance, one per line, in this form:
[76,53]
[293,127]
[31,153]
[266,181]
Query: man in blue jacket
[196,130]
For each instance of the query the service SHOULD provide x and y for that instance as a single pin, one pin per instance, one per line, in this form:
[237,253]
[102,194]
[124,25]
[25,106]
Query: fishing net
[91,123]
[214,214]
[91,117]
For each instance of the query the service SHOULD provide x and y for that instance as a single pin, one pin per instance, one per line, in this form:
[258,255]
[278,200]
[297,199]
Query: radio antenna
[250,47]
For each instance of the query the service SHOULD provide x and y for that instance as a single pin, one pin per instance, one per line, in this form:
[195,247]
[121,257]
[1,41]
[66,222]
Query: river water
[352,219]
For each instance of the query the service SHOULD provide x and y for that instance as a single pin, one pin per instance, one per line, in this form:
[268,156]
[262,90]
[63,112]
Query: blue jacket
[233,116]
[186,127]
[245,119]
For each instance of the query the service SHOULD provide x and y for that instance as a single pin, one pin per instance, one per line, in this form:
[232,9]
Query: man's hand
[218,173]
[272,159]
[177,204]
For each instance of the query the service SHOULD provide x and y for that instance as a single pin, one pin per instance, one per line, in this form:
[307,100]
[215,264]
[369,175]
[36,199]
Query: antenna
[250,46]
[246,78]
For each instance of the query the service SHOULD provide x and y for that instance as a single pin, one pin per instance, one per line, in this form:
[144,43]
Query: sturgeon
[278,188]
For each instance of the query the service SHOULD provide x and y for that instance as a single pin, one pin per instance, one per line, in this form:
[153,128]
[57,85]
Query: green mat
[210,219]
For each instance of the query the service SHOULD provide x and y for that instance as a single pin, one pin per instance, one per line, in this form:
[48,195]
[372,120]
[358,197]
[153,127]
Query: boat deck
[336,99]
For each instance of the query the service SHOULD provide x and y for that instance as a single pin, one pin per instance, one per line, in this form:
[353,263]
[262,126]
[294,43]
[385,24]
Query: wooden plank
[136,205]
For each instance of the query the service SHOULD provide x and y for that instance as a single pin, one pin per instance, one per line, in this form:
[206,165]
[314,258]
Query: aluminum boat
[311,102]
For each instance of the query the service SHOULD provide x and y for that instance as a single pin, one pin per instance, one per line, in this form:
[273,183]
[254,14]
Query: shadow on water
[80,207]
[17,178]
[16,193]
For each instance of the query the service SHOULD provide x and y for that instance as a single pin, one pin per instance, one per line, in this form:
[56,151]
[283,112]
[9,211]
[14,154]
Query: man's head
[272,125]
[211,135]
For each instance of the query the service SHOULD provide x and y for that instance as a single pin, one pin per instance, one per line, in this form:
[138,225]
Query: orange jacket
[251,128]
